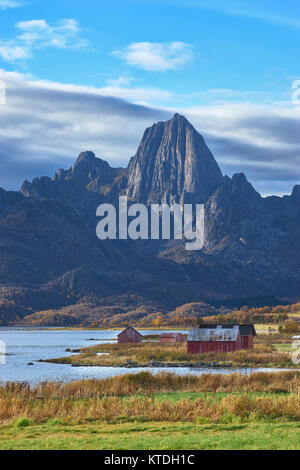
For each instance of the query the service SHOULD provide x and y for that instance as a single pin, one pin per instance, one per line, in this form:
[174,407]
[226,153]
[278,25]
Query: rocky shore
[157,364]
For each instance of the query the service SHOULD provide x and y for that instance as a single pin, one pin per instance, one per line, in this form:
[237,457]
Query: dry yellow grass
[145,382]
[131,397]
[143,408]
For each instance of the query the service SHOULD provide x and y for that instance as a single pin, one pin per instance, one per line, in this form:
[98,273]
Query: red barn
[171,338]
[130,335]
[247,333]
[220,338]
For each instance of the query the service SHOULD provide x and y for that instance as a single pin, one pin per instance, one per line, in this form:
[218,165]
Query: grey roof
[170,335]
[245,330]
[214,334]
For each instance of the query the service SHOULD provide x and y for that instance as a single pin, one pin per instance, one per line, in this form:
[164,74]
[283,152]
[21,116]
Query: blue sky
[226,65]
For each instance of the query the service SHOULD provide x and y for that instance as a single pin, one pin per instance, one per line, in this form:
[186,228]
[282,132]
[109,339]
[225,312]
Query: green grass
[152,436]
[265,326]
[283,347]
[215,396]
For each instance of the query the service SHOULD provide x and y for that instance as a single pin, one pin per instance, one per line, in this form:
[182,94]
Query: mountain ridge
[47,233]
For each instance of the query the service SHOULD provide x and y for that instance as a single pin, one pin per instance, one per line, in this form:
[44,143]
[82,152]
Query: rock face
[88,183]
[239,220]
[7,200]
[50,256]
[88,173]
[173,164]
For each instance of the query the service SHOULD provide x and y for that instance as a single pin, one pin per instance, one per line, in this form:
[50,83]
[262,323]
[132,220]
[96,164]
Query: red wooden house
[248,334]
[220,338]
[130,335]
[171,338]
[202,340]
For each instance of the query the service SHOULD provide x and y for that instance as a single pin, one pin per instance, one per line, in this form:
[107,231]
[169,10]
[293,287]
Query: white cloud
[10,51]
[33,25]
[155,56]
[4,4]
[37,34]
[262,141]
[45,125]
[120,81]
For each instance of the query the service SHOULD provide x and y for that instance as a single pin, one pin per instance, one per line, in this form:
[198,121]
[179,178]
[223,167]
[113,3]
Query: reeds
[115,409]
[131,397]
[145,382]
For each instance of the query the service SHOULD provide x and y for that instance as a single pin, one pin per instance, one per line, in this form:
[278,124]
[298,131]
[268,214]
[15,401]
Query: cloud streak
[155,56]
[254,10]
[45,125]
[261,140]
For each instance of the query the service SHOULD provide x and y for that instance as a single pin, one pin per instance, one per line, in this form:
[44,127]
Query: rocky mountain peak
[173,163]
[243,190]
[88,174]
[85,160]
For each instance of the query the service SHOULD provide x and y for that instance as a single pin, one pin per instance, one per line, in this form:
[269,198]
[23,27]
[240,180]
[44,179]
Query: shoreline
[60,361]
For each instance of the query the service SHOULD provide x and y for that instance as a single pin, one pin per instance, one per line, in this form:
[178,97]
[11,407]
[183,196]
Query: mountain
[83,186]
[51,258]
[173,164]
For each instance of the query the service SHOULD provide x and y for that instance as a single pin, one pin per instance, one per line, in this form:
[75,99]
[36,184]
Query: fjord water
[24,346]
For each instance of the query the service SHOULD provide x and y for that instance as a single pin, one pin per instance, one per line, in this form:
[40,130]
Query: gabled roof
[214,334]
[130,328]
[169,335]
[245,330]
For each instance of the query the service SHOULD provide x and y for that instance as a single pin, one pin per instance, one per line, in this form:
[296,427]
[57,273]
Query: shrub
[54,422]
[22,423]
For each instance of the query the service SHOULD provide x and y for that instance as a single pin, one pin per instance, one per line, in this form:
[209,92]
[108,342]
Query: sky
[81,75]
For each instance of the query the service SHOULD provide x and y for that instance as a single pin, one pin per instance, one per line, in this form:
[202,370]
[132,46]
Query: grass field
[162,411]
[284,347]
[147,436]
[265,326]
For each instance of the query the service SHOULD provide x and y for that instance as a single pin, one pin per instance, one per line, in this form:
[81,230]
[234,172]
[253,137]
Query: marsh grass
[135,398]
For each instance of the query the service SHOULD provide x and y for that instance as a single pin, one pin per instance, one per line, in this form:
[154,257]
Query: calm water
[23,346]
